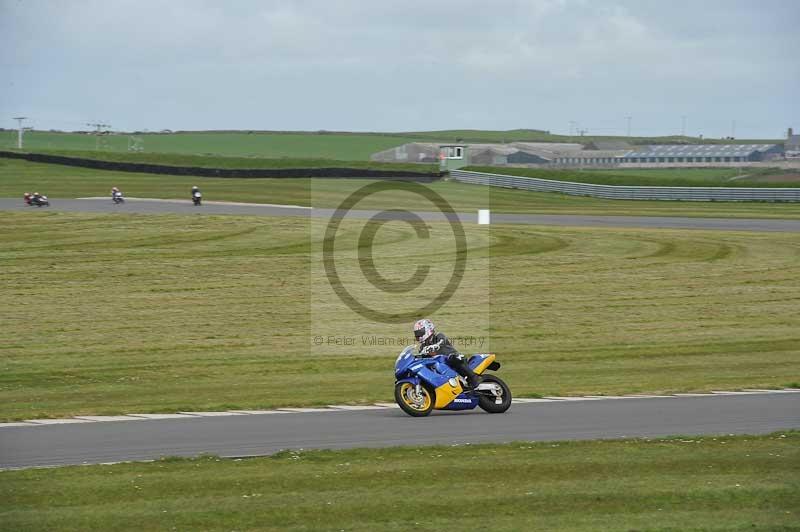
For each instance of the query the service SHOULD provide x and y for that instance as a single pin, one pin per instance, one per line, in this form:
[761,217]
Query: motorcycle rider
[432,343]
[27,198]
[36,198]
[196,194]
[115,193]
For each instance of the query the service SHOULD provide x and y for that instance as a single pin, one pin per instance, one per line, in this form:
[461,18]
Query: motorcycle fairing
[403,362]
[462,402]
[442,377]
[480,363]
[438,374]
[447,393]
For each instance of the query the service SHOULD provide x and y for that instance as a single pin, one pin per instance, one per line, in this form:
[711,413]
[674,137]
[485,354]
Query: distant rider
[27,198]
[196,195]
[115,193]
[432,343]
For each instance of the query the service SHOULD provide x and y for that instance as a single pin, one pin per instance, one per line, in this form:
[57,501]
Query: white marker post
[484,217]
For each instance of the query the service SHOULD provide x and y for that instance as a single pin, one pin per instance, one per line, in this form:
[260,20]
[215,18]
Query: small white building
[792,145]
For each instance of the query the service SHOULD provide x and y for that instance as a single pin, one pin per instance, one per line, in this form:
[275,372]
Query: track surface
[185,207]
[247,435]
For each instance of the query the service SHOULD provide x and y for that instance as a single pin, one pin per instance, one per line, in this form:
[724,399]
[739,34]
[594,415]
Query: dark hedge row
[225,172]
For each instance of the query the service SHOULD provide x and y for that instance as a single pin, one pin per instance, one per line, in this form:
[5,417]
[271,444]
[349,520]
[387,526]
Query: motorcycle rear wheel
[489,402]
[417,406]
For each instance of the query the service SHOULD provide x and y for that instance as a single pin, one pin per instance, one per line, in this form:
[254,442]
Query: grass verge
[687,484]
[657,177]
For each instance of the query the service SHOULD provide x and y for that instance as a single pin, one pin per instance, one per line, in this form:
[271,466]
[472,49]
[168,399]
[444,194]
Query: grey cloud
[403,65]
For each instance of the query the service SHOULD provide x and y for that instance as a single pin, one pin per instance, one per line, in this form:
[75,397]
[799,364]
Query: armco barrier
[629,192]
[118,166]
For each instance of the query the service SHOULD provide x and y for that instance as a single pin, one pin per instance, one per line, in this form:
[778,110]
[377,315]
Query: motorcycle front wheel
[413,403]
[492,403]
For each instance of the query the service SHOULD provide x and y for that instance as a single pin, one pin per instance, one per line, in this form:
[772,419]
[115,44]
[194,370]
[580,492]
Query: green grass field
[58,181]
[533,135]
[268,145]
[687,484]
[163,313]
[658,177]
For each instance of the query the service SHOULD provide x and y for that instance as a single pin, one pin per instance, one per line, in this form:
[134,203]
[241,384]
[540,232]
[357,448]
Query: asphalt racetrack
[144,206]
[263,434]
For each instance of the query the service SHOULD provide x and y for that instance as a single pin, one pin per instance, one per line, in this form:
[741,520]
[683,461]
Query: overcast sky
[405,65]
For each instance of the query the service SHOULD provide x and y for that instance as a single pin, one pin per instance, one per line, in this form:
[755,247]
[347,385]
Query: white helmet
[424,330]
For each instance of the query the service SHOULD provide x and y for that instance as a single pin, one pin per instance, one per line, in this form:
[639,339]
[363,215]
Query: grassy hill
[534,135]
[231,144]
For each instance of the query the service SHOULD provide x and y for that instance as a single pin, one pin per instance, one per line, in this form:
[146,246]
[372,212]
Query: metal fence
[629,192]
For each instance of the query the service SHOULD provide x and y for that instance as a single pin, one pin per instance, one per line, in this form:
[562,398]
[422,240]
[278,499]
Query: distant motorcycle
[427,383]
[197,198]
[40,201]
[117,198]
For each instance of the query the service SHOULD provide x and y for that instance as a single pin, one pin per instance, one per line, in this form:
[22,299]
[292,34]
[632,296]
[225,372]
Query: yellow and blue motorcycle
[424,384]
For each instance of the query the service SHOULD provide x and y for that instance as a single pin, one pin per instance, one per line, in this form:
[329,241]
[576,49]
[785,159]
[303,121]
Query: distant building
[413,152]
[609,145]
[792,145]
[569,155]
[491,155]
[590,158]
[703,153]
[453,156]
[483,154]
[523,157]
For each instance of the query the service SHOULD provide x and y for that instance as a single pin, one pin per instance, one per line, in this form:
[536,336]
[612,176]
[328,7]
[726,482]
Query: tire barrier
[628,192]
[118,166]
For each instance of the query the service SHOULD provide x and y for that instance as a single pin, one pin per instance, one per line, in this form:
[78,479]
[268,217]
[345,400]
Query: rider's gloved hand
[429,349]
